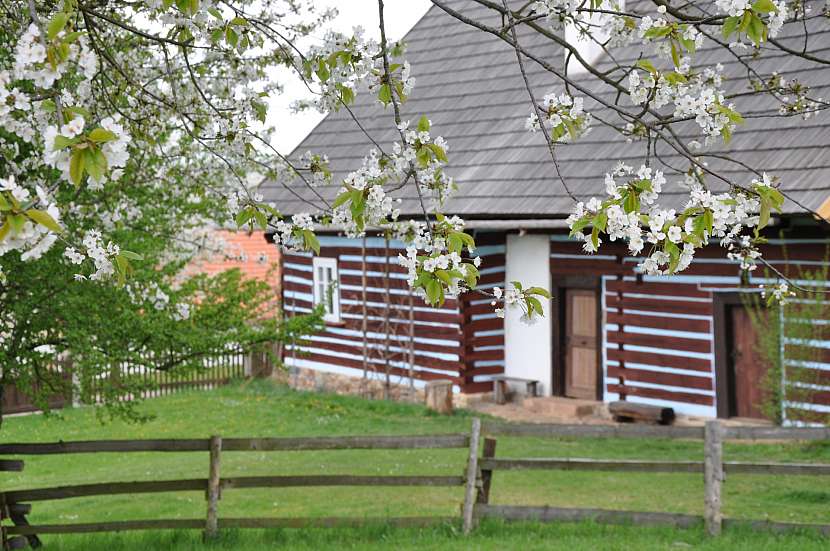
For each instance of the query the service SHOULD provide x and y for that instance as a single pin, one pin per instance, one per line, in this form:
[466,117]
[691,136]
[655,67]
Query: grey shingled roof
[469,85]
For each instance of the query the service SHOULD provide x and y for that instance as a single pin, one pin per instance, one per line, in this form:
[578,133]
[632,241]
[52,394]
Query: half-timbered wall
[401,335]
[658,336]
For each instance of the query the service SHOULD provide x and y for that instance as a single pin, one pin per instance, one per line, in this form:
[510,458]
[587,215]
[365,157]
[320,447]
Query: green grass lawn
[264,409]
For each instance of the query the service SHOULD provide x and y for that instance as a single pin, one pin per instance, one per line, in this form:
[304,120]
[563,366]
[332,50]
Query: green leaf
[310,241]
[56,25]
[16,221]
[44,219]
[62,142]
[533,303]
[100,135]
[439,152]
[4,230]
[647,65]
[95,162]
[4,204]
[385,94]
[342,199]
[244,216]
[423,124]
[539,291]
[76,166]
[757,30]
[763,6]
[730,25]
[131,255]
[231,37]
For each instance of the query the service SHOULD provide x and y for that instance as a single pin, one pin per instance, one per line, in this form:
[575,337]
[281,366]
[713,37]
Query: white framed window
[326,288]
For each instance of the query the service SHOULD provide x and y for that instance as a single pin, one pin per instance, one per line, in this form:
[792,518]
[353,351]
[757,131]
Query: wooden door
[581,336]
[748,367]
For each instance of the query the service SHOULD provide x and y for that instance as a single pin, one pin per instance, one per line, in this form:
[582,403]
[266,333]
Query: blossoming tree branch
[89,82]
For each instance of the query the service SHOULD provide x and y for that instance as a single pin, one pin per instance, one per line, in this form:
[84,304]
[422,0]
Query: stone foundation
[301,378]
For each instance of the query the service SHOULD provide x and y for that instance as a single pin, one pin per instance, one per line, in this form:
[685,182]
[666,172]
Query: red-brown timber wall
[659,333]
[393,316]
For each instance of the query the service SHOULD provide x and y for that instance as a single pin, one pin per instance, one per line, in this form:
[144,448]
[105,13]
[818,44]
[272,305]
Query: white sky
[399,15]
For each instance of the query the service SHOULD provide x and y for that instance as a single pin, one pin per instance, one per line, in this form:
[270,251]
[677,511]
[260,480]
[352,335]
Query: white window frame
[324,275]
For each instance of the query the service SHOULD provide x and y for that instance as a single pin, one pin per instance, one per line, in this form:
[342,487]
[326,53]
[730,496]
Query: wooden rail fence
[713,467]
[15,504]
[477,478]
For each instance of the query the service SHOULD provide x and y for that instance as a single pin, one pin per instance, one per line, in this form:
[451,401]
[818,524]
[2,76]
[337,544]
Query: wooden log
[242,444]
[577,464]
[472,477]
[775,527]
[777,433]
[438,441]
[558,514]
[213,488]
[241,523]
[338,480]
[106,488]
[19,508]
[19,519]
[488,452]
[592,431]
[631,412]
[438,396]
[11,465]
[713,477]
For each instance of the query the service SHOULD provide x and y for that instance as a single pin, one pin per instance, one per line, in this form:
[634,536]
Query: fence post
[713,476]
[472,476]
[489,451]
[213,488]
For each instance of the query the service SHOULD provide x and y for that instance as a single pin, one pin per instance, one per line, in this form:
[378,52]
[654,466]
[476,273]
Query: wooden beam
[594,431]
[11,465]
[213,488]
[713,477]
[548,514]
[471,478]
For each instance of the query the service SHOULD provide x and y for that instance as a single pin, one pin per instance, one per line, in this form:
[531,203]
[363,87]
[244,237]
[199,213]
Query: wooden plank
[338,480]
[661,394]
[661,341]
[197,524]
[333,522]
[471,481]
[657,359]
[670,323]
[777,433]
[659,305]
[559,514]
[19,508]
[488,452]
[11,465]
[775,527]
[213,487]
[636,465]
[435,441]
[713,477]
[593,431]
[661,377]
[579,464]
[106,488]
[115,526]
[94,446]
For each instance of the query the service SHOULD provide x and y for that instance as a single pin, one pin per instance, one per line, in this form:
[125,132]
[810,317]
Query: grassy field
[263,409]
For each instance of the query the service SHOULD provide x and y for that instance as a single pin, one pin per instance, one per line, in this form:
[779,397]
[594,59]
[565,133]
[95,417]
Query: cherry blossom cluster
[630,213]
[556,12]
[440,268]
[564,115]
[153,295]
[529,301]
[22,227]
[694,95]
[779,293]
[102,256]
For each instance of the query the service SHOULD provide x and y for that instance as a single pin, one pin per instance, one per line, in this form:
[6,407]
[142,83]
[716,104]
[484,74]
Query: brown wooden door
[581,345]
[748,368]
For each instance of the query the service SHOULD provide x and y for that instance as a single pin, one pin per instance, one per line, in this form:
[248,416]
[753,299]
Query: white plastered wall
[527,348]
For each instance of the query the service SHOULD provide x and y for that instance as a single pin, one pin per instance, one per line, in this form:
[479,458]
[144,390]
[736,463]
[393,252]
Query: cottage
[683,341]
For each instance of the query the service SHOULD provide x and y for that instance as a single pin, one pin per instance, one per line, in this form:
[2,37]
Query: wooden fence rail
[477,478]
[713,468]
[214,485]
